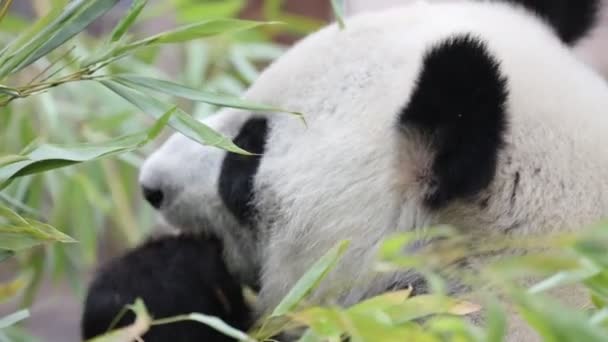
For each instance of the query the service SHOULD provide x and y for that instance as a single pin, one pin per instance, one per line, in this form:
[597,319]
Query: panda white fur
[592,48]
[471,114]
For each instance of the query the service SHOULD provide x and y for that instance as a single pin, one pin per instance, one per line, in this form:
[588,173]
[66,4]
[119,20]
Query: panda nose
[153,196]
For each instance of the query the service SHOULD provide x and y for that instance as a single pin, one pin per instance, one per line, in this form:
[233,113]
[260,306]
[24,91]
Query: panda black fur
[473,114]
[173,275]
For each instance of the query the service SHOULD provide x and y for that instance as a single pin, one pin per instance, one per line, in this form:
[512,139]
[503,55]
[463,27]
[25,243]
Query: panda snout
[154,196]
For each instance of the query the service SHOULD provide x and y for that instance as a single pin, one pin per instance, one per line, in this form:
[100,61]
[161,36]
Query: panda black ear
[458,108]
[571,19]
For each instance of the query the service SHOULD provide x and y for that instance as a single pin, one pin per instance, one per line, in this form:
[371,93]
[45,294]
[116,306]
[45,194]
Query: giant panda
[473,114]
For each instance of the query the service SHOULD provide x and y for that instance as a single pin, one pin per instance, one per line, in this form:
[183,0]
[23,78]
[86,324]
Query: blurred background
[98,203]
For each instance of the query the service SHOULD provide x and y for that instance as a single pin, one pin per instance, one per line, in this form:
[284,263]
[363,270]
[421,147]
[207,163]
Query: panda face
[409,122]
[182,180]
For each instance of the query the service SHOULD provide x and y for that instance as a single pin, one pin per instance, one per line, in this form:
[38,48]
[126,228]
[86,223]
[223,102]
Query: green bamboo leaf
[25,38]
[328,323]
[309,336]
[210,321]
[50,32]
[394,246]
[565,278]
[11,288]
[554,322]
[14,24]
[244,67]
[600,318]
[75,24]
[598,285]
[189,11]
[381,302]
[8,215]
[338,8]
[4,8]
[132,332]
[206,28]
[426,305]
[496,323]
[593,245]
[127,21]
[311,279]
[456,327]
[14,318]
[198,30]
[178,90]
[46,157]
[158,126]
[9,91]
[18,233]
[181,121]
[106,53]
[298,24]
[545,265]
[11,158]
[362,328]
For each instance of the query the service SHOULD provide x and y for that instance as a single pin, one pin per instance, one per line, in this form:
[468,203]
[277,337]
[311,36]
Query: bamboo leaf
[309,336]
[189,11]
[338,8]
[46,157]
[325,322]
[244,67]
[18,233]
[158,126]
[9,91]
[50,32]
[127,21]
[311,279]
[496,326]
[206,28]
[210,321]
[203,29]
[4,8]
[554,322]
[14,24]
[73,25]
[178,90]
[14,318]
[26,36]
[181,121]
[425,305]
[564,278]
[11,158]
[381,302]
[132,332]
[11,288]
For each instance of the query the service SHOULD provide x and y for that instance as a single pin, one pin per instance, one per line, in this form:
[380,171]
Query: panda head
[429,113]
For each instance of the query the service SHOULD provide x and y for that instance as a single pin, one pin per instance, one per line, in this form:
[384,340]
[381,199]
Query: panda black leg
[173,275]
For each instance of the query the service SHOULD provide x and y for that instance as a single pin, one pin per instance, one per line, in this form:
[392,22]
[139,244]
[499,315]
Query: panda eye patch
[237,172]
